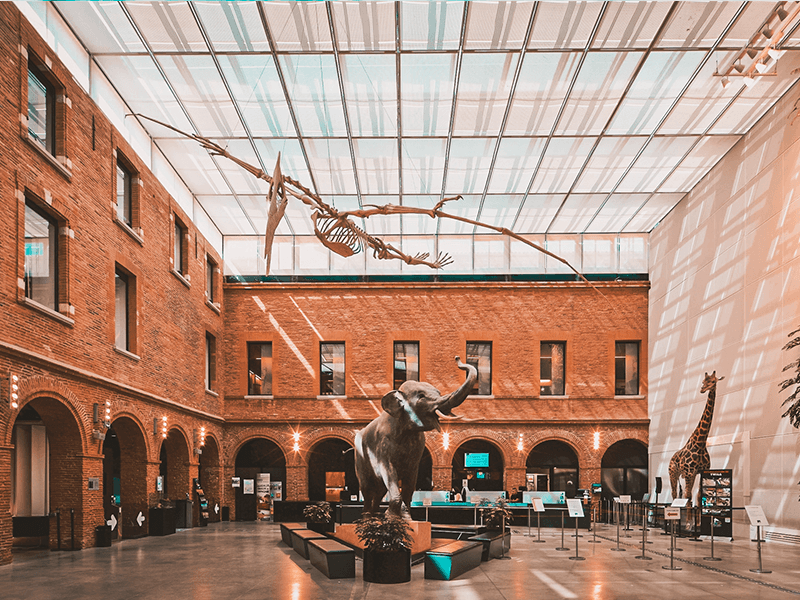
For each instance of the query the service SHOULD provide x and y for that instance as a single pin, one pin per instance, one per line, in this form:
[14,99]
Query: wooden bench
[335,560]
[300,539]
[286,531]
[493,543]
[451,560]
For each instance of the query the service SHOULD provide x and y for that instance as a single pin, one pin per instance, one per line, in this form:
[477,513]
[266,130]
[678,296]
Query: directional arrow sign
[216,509]
[113,522]
[140,518]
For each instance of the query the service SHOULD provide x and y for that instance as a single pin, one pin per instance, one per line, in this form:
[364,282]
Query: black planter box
[321,527]
[387,567]
[162,521]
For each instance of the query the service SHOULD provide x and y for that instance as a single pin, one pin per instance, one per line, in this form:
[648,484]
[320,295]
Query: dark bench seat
[286,531]
[493,543]
[334,559]
[451,560]
[456,532]
[300,539]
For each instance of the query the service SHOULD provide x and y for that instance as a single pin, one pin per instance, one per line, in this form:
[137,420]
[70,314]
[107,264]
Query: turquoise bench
[451,560]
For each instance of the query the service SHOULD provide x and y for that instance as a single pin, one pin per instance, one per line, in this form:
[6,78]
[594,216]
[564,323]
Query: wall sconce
[445,440]
[296,438]
[164,427]
[202,436]
[520,446]
[13,390]
[107,417]
[596,445]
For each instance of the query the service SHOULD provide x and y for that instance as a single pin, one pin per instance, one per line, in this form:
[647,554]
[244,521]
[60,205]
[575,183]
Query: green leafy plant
[384,534]
[494,515]
[318,513]
[793,412]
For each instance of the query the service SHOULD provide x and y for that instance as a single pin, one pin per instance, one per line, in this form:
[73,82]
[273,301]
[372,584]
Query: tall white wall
[725,272]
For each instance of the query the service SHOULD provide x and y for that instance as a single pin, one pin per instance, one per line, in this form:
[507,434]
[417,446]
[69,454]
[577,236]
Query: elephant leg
[392,483]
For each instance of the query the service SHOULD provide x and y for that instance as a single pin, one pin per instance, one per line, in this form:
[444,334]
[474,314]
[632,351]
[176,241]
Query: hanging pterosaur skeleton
[336,229]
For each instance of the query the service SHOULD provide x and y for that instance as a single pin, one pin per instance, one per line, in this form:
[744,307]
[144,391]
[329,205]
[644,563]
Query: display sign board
[546,497]
[248,486]
[236,482]
[263,496]
[716,500]
[538,504]
[756,515]
[622,500]
[680,502]
[476,459]
[672,513]
[276,490]
[575,507]
[427,501]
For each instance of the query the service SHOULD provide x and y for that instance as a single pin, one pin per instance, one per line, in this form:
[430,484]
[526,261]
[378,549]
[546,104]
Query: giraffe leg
[689,477]
[673,479]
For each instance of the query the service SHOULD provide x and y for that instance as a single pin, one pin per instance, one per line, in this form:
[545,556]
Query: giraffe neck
[700,434]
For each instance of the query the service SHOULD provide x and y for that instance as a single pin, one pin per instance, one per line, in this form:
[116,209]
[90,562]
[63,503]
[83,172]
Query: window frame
[180,249]
[261,344]
[211,280]
[120,275]
[624,357]
[211,363]
[54,258]
[542,358]
[40,72]
[334,391]
[395,345]
[481,380]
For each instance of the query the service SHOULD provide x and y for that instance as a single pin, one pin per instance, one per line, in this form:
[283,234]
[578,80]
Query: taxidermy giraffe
[693,457]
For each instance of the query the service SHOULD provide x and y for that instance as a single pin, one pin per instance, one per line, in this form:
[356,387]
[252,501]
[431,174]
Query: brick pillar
[297,482]
[442,477]
[515,477]
[153,497]
[5,504]
[91,513]
[228,493]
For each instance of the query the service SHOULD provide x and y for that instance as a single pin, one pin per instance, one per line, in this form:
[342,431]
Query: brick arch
[611,437]
[39,386]
[574,441]
[320,436]
[128,414]
[456,442]
[233,448]
[134,448]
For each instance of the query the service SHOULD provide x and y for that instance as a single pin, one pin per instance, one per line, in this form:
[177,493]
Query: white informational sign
[248,486]
[538,504]
[622,500]
[236,482]
[263,493]
[680,502]
[160,483]
[575,507]
[427,502]
[756,514]
[672,513]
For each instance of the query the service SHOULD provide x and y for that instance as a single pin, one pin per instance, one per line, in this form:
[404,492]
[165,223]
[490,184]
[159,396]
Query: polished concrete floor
[244,561]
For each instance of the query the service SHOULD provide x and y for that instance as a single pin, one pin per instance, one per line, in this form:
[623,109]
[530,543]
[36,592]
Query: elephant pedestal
[420,534]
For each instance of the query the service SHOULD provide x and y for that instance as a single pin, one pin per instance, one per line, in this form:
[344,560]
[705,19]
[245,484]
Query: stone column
[6,534]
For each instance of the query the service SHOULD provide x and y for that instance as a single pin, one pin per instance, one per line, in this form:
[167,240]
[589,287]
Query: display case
[716,502]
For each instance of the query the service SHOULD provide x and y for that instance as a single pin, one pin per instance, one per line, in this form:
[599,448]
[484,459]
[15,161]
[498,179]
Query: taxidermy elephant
[389,449]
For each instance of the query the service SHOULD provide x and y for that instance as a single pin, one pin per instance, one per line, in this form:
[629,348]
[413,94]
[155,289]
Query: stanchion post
[618,549]
[562,548]
[758,545]
[712,538]
[644,543]
[503,541]
[538,539]
[594,526]
[576,557]
[671,566]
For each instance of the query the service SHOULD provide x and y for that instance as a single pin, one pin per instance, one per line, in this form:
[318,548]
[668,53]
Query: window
[124,194]
[331,369]
[41,256]
[121,310]
[179,254]
[41,108]
[259,368]
[211,361]
[406,362]
[479,355]
[551,368]
[211,267]
[626,371]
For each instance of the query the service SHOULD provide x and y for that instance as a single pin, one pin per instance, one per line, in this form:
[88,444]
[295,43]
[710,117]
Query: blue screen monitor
[476,459]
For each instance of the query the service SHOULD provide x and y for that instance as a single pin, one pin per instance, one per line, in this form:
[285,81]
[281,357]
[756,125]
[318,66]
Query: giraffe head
[710,381]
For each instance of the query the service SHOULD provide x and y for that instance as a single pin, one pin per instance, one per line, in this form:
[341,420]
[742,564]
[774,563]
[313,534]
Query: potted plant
[495,516]
[318,517]
[387,548]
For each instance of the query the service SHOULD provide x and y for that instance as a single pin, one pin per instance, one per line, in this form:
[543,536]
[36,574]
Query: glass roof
[548,117]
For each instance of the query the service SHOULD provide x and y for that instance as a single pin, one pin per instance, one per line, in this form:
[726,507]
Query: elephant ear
[391,403]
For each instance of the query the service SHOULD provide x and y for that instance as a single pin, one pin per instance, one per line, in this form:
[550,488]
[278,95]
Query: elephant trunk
[453,399]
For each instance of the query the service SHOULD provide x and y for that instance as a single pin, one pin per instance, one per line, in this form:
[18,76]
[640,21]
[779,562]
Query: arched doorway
[481,464]
[331,471]
[425,471]
[125,478]
[174,468]
[46,477]
[209,475]
[254,458]
[624,470]
[553,466]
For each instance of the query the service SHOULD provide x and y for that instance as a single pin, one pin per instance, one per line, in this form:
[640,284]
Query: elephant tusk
[466,420]
[445,417]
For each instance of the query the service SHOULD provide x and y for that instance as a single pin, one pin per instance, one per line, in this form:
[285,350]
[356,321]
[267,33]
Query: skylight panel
[576,213]
[564,24]
[299,26]
[561,165]
[364,25]
[376,162]
[616,212]
[255,207]
[101,26]
[651,213]
[420,224]
[240,180]
[543,83]
[490,253]
[332,166]
[195,166]
[655,163]
[426,84]
[700,161]
[370,89]
[516,160]
[697,24]
[499,210]
[537,212]
[497,25]
[431,25]
[168,26]
[313,88]
[524,258]
[293,163]
[226,214]
[423,165]
[466,207]
[630,24]
[460,249]
[470,159]
[599,253]
[418,244]
[754,14]
[483,92]
[233,26]
[387,267]
[381,225]
[608,163]
[656,87]
[567,247]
